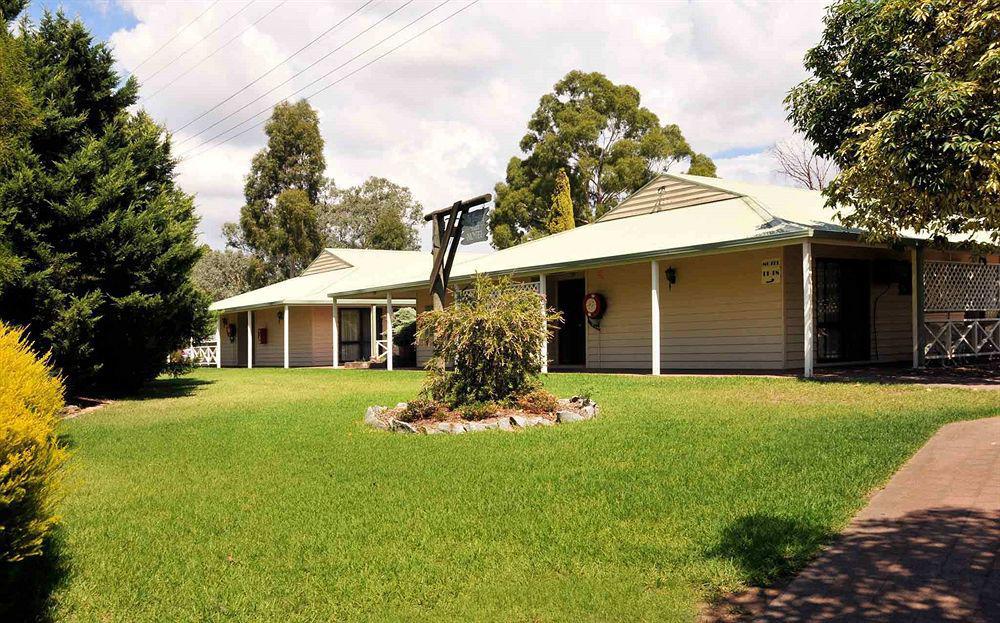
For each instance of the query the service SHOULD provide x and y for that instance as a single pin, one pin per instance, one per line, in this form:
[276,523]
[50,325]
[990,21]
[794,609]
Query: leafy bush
[493,333]
[30,455]
[421,409]
[537,401]
[179,364]
[475,411]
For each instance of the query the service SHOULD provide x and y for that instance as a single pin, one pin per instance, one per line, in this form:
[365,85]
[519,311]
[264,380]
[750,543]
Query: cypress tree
[101,237]
[562,205]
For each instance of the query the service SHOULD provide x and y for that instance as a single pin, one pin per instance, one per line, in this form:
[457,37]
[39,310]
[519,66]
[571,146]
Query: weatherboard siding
[325,262]
[717,316]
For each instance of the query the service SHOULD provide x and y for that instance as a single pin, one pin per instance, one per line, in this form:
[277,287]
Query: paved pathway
[926,548]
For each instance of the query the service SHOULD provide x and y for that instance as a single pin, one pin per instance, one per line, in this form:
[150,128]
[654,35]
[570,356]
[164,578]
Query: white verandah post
[218,341]
[249,338]
[543,291]
[335,334]
[285,324]
[808,315]
[388,331]
[654,309]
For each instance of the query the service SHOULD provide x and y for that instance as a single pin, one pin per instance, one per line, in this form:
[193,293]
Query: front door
[573,330]
[843,304]
[355,334]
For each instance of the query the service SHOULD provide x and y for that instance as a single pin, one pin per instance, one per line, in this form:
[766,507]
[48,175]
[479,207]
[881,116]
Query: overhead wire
[175,35]
[215,51]
[190,154]
[297,74]
[266,73]
[196,43]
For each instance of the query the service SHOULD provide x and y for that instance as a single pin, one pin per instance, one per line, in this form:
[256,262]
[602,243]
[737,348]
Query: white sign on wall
[770,271]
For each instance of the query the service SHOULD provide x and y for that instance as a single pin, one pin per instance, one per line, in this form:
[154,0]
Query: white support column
[543,290]
[336,334]
[654,309]
[285,323]
[388,331]
[808,314]
[373,331]
[218,342]
[249,338]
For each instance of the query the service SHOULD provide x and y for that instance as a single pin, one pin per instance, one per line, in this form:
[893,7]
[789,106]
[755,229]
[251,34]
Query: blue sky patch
[102,17]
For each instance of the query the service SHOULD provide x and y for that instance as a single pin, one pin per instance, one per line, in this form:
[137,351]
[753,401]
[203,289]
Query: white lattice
[534,286]
[948,339]
[957,286]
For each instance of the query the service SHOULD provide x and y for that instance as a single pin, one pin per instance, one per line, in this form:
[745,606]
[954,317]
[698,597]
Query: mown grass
[258,495]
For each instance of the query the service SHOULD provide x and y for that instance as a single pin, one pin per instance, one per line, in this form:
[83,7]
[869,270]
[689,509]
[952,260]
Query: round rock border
[575,409]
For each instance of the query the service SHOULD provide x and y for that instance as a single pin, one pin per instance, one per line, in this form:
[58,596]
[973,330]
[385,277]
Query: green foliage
[905,99]
[608,144]
[538,401]
[98,241]
[422,409]
[179,364]
[279,222]
[377,214]
[493,333]
[404,327]
[30,455]
[562,217]
[475,411]
[221,274]
[702,165]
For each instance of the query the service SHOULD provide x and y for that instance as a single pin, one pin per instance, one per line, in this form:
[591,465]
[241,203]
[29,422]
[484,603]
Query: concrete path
[926,548]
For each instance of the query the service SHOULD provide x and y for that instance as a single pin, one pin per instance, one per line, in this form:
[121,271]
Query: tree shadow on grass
[170,388]
[26,586]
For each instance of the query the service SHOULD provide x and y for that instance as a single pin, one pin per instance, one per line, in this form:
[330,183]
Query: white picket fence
[202,353]
[952,339]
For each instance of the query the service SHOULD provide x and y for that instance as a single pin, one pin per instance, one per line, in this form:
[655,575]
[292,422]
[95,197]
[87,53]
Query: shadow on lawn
[767,548]
[170,388]
[26,586]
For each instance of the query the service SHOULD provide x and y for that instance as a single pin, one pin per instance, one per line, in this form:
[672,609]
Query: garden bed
[422,417]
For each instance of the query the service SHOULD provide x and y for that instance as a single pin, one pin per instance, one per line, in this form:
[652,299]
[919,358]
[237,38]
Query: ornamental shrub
[30,454]
[538,401]
[493,334]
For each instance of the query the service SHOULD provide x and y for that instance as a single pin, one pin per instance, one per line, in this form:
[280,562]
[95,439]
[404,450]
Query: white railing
[950,339]
[203,353]
[381,349]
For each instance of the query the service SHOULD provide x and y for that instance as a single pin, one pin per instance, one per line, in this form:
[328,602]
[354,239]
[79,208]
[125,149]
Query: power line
[189,155]
[215,51]
[195,44]
[348,61]
[175,35]
[297,74]
[294,54]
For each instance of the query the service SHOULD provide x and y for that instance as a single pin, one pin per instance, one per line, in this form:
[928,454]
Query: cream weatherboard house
[695,274]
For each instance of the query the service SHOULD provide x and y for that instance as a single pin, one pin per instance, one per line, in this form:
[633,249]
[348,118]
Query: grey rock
[401,427]
[569,416]
[475,427]
[443,427]
[519,420]
[372,418]
[400,405]
[501,423]
[544,421]
[589,411]
[457,428]
[430,430]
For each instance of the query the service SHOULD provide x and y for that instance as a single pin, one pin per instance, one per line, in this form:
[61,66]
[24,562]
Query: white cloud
[445,113]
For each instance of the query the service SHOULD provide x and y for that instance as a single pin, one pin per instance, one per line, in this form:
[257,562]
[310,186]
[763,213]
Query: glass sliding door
[355,334]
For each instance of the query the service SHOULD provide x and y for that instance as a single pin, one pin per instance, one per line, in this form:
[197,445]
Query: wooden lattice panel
[958,286]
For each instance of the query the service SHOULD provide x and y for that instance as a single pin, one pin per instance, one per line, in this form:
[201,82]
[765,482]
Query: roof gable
[665,192]
[325,262]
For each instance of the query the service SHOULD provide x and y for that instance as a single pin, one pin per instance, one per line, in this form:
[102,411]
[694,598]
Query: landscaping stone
[572,410]
[569,416]
[401,427]
[372,418]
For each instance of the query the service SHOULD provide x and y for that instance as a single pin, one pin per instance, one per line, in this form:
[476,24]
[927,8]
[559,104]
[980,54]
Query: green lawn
[258,495]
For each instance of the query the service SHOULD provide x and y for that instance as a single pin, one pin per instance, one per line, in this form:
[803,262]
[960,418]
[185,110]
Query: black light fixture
[281,315]
[671,274]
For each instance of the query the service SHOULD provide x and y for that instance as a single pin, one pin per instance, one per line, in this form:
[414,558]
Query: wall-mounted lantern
[671,275]
[281,315]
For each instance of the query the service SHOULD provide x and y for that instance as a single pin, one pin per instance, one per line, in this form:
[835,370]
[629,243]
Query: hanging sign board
[770,271]
[474,226]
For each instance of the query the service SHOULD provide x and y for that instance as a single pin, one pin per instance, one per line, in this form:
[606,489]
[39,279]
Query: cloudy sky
[443,113]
